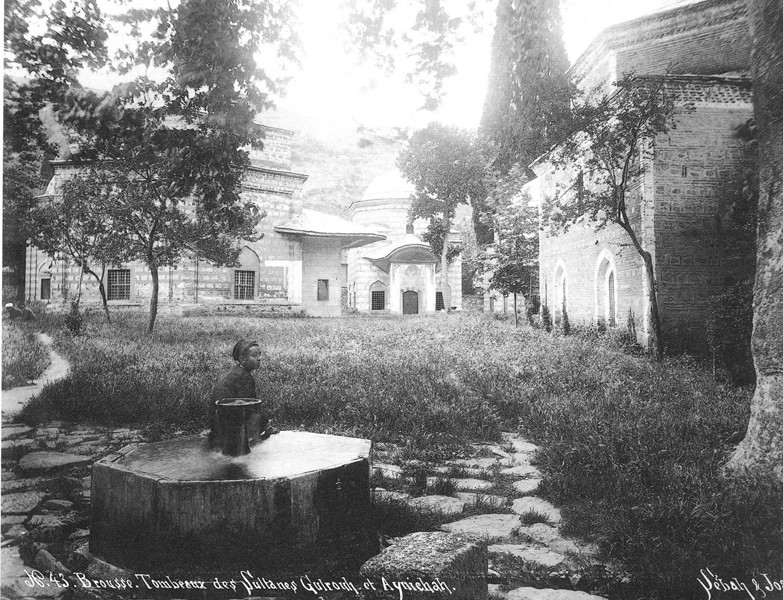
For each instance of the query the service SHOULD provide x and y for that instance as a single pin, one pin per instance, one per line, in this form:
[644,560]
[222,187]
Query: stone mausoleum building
[401,274]
[684,193]
[296,266]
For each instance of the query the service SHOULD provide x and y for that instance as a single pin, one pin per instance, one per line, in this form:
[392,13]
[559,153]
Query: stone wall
[321,260]
[697,176]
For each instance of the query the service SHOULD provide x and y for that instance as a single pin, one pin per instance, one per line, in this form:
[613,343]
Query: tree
[45,46]
[761,451]
[447,166]
[77,225]
[173,152]
[611,141]
[513,258]
[528,92]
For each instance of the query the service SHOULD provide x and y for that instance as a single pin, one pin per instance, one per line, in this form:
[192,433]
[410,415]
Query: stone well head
[184,503]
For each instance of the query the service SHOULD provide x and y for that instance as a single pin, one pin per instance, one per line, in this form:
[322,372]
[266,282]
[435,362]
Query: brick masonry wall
[276,152]
[697,169]
[703,38]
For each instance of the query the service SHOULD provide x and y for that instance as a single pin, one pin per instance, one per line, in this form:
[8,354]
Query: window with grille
[244,285]
[439,301]
[378,301]
[323,289]
[118,284]
[46,289]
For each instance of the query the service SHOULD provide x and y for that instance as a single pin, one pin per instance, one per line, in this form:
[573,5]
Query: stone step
[550,536]
[526,486]
[532,553]
[489,526]
[528,471]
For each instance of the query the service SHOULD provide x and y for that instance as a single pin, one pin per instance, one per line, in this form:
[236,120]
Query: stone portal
[410,303]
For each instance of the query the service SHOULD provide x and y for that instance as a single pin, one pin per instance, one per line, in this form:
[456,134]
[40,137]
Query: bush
[24,356]
[566,324]
[546,318]
[729,327]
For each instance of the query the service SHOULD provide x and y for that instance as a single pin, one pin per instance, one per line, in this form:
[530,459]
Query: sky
[335,92]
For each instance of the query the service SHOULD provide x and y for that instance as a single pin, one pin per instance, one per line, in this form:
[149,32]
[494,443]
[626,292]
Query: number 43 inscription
[37,579]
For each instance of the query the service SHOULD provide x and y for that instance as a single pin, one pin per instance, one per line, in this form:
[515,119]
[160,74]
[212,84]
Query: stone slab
[21,503]
[521,471]
[485,499]
[526,486]
[530,593]
[484,526]
[520,444]
[390,496]
[50,461]
[550,536]
[523,505]
[533,554]
[432,555]
[475,463]
[15,576]
[12,432]
[441,504]
[22,443]
[472,484]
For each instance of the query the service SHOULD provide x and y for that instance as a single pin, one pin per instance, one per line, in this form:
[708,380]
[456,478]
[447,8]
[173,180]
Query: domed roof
[389,185]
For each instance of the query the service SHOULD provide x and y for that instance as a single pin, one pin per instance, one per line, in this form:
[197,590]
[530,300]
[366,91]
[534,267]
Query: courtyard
[603,461]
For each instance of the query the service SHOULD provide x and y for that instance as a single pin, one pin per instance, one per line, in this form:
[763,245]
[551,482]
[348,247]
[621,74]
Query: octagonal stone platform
[179,502]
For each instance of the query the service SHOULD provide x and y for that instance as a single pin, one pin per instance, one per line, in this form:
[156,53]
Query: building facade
[400,275]
[680,202]
[295,266]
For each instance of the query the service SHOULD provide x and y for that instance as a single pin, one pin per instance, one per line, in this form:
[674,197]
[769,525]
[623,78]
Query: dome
[389,185]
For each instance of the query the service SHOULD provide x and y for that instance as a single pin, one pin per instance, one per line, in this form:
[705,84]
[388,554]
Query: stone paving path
[14,399]
[529,559]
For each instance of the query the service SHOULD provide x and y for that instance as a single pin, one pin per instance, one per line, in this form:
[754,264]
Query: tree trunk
[516,318]
[153,298]
[444,265]
[655,342]
[761,452]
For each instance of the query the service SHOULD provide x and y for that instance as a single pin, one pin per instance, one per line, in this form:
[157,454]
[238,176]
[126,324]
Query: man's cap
[241,346]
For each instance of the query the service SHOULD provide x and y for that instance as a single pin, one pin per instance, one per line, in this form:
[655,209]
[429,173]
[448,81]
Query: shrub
[729,327]
[74,320]
[546,318]
[566,324]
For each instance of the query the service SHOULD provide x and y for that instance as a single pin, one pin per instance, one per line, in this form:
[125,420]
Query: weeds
[532,516]
[24,356]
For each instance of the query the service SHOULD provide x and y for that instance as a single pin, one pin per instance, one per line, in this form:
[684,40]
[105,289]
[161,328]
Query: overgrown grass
[632,449]
[24,356]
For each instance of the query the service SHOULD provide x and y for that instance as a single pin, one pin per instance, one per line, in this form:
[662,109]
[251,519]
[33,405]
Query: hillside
[340,158]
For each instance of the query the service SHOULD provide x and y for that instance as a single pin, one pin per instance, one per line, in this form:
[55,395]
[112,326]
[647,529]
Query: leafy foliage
[24,356]
[173,152]
[729,327]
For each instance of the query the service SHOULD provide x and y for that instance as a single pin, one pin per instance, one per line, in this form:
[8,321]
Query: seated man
[238,382]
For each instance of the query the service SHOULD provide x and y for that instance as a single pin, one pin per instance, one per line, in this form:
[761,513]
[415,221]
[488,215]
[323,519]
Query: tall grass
[24,356]
[632,449]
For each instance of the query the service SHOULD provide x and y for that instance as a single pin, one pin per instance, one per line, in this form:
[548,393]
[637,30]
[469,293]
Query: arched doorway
[410,303]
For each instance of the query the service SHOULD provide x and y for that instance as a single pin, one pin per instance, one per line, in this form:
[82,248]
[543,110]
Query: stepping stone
[521,471]
[390,496]
[540,556]
[550,536]
[484,526]
[15,532]
[21,503]
[520,445]
[523,505]
[526,486]
[485,499]
[23,443]
[442,504]
[58,505]
[9,520]
[49,528]
[388,471]
[428,556]
[530,593]
[473,484]
[12,432]
[475,463]
[45,461]
[498,451]
[50,432]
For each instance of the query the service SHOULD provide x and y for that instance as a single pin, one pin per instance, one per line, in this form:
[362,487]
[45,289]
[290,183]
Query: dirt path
[14,399]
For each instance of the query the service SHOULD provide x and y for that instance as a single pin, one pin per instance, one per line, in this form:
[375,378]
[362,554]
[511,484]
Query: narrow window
[244,285]
[323,289]
[118,284]
[439,301]
[378,301]
[46,289]
[684,171]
